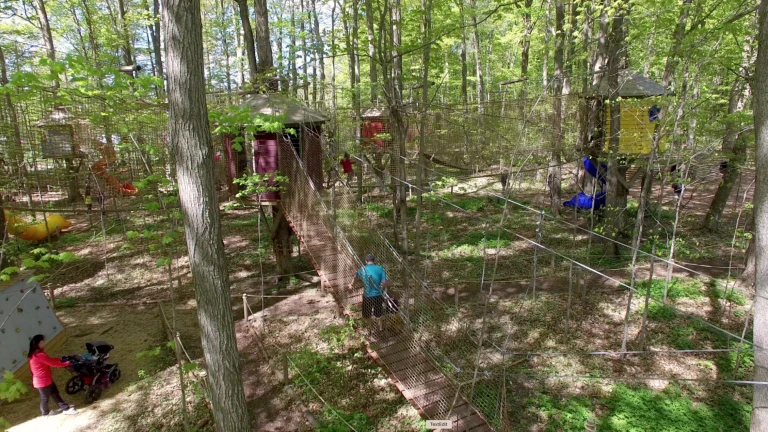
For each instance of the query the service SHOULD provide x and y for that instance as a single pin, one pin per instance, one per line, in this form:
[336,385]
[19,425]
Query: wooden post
[245,308]
[570,294]
[456,295]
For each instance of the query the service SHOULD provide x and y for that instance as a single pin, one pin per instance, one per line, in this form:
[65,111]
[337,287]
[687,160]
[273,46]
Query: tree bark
[426,28]
[545,53]
[319,49]
[263,44]
[372,71]
[125,35]
[304,51]
[616,197]
[92,40]
[554,177]
[292,61]
[734,146]
[760,396]
[250,49]
[478,58]
[191,142]
[15,151]
[45,29]
[396,107]
[156,39]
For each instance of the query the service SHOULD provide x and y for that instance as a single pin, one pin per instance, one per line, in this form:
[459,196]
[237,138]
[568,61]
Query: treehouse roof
[631,85]
[295,112]
[374,112]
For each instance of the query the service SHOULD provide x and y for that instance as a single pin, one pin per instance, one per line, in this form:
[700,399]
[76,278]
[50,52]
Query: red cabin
[306,141]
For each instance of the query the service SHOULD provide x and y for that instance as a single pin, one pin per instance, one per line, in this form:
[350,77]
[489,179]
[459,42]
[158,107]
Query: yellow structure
[636,133]
[36,232]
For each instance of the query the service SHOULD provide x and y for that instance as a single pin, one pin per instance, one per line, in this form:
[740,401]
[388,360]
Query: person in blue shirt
[374,281]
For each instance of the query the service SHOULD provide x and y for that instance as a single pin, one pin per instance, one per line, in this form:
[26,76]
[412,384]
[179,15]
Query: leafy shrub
[682,337]
[643,409]
[730,295]
[660,312]
[678,288]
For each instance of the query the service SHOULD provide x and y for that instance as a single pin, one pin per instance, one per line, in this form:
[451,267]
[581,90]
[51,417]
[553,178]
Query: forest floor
[113,293]
[331,379]
[563,328]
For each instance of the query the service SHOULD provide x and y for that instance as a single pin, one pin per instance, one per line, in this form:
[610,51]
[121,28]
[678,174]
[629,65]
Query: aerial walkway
[397,347]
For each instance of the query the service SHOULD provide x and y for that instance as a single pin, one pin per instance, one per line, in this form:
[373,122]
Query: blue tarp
[584,201]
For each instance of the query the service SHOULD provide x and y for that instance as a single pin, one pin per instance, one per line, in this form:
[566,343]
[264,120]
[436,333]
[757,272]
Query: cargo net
[505,326]
[70,151]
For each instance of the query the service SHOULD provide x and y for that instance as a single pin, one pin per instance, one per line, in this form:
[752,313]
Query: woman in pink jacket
[42,379]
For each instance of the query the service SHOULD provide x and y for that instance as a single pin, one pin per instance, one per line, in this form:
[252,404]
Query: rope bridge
[408,344]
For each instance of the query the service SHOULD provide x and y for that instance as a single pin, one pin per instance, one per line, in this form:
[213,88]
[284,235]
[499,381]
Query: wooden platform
[416,376]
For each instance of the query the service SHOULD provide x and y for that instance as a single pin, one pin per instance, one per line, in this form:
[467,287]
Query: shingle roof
[631,85]
[295,112]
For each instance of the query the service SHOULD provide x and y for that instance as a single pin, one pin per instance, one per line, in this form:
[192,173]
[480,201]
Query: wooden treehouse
[302,135]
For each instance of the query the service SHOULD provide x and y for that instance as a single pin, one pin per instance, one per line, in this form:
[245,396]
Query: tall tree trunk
[250,49]
[92,40]
[156,39]
[263,44]
[319,49]
[760,397]
[734,146]
[192,144]
[478,58]
[14,151]
[333,59]
[554,177]
[372,72]
[570,43]
[616,197]
[426,29]
[125,35]
[292,60]
[396,113]
[760,327]
[525,56]
[225,47]
[586,66]
[240,51]
[45,29]
[545,60]
[304,51]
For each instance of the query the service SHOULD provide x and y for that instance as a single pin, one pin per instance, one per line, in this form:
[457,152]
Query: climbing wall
[26,312]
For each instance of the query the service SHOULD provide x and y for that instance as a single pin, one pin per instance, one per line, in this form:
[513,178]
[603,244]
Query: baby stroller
[91,370]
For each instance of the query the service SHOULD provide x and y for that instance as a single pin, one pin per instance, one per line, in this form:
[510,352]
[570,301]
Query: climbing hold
[39,323]
[19,310]
[36,308]
[21,290]
[25,353]
[2,331]
[18,330]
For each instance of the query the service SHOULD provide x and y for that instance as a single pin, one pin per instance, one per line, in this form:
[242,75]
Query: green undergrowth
[672,410]
[561,414]
[641,409]
[679,288]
